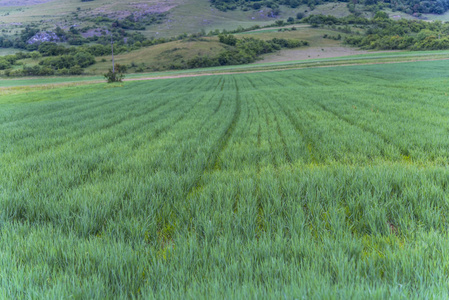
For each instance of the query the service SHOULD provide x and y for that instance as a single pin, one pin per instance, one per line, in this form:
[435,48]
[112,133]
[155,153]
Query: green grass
[312,35]
[315,183]
[47,81]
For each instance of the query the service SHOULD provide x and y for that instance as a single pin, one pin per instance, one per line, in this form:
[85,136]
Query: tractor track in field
[219,147]
[312,152]
[281,136]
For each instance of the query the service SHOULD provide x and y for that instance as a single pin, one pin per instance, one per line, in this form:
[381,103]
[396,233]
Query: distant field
[303,32]
[30,83]
[316,183]
[276,62]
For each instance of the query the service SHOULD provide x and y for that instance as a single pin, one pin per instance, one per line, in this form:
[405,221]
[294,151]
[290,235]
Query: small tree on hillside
[116,75]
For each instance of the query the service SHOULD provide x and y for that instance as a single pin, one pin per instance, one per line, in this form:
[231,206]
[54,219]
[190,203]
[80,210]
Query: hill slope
[179,15]
[174,17]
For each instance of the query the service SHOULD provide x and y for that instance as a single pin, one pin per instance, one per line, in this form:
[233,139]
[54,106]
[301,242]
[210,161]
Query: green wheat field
[324,183]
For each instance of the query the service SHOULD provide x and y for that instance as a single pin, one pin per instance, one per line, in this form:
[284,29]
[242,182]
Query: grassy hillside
[161,56]
[183,15]
[317,183]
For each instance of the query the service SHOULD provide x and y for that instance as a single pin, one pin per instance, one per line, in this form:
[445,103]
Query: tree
[84,59]
[4,64]
[227,39]
[35,55]
[116,75]
[381,15]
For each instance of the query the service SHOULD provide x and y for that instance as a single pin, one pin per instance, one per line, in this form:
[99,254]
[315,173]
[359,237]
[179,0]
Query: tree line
[239,51]
[383,33]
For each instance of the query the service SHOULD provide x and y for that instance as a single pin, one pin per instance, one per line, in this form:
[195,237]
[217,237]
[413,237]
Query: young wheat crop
[319,183]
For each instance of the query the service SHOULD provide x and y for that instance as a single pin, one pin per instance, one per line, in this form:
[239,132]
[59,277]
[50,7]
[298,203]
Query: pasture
[324,183]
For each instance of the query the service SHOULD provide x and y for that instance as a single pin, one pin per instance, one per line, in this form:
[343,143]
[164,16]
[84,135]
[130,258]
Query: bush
[227,39]
[76,70]
[84,59]
[51,49]
[4,64]
[116,76]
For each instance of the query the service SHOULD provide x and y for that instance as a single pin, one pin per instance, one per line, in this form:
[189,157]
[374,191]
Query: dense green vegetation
[61,60]
[115,74]
[407,6]
[403,34]
[382,33]
[318,183]
[241,51]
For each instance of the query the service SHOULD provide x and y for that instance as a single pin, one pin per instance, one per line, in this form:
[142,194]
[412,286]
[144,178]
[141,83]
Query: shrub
[76,70]
[116,76]
[227,39]
[4,64]
[84,59]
